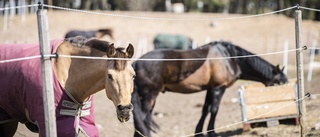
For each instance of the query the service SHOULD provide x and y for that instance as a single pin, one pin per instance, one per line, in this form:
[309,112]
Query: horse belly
[196,82]
[184,89]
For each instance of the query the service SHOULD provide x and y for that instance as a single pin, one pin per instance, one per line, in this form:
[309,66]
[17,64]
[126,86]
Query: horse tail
[143,121]
[152,125]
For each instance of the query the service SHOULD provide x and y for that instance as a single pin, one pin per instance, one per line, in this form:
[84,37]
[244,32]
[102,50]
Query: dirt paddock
[178,114]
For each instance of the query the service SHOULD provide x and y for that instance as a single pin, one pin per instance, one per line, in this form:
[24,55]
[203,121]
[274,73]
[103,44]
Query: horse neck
[80,77]
[256,69]
[252,68]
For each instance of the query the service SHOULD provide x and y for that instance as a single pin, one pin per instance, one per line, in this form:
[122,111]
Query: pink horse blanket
[21,94]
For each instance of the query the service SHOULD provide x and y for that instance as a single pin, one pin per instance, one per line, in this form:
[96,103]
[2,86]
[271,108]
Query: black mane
[249,65]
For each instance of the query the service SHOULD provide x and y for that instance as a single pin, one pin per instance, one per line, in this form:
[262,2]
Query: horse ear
[282,68]
[111,50]
[130,51]
[278,68]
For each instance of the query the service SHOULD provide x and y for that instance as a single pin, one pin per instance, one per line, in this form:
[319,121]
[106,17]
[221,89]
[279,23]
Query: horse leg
[8,129]
[214,107]
[205,110]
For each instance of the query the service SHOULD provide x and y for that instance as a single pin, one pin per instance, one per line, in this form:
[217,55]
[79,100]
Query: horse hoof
[199,135]
[213,135]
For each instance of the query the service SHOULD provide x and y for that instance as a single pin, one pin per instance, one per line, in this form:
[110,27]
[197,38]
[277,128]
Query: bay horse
[190,76]
[74,80]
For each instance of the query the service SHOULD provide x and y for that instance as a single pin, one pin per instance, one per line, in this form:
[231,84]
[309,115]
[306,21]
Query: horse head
[278,77]
[119,80]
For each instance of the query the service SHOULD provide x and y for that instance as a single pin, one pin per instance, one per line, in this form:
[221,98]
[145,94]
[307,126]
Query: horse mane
[80,41]
[103,46]
[246,64]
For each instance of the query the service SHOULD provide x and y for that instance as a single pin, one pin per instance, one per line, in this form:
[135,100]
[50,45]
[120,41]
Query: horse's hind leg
[8,129]
[205,111]
[218,92]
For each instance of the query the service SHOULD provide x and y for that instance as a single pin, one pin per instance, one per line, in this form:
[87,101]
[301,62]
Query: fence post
[300,79]
[46,70]
[285,56]
[5,18]
[310,68]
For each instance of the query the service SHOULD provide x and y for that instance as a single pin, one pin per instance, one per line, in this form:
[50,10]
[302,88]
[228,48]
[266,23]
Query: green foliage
[208,5]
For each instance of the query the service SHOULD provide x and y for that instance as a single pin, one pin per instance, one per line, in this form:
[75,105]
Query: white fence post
[12,3]
[207,40]
[310,69]
[285,57]
[5,19]
[142,47]
[23,10]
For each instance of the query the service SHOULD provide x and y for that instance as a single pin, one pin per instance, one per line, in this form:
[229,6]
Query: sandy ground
[180,113]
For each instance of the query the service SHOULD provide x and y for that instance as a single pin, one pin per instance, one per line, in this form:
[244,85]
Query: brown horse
[75,81]
[190,76]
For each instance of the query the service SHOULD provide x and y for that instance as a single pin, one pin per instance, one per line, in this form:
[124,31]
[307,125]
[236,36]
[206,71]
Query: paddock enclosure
[178,114]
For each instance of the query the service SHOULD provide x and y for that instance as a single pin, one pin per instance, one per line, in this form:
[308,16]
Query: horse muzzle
[123,112]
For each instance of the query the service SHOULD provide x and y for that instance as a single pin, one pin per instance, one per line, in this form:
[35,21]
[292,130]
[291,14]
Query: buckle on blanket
[73,112]
[69,104]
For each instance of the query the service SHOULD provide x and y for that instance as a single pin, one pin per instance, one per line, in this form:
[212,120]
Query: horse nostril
[130,106]
[127,107]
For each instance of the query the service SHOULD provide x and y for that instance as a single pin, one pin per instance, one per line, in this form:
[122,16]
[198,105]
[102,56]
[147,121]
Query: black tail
[143,120]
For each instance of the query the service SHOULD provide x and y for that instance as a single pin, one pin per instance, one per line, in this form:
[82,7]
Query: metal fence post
[46,69]
[300,78]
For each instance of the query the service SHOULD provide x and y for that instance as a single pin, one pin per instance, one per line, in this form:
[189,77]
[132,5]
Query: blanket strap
[78,112]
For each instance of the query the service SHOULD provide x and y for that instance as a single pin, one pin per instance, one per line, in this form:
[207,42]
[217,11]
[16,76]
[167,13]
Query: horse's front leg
[217,96]
[205,111]
[8,129]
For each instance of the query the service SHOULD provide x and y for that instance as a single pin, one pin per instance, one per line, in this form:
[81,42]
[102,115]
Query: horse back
[212,72]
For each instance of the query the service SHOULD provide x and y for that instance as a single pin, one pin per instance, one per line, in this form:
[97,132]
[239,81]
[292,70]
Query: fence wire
[136,59]
[19,7]
[306,8]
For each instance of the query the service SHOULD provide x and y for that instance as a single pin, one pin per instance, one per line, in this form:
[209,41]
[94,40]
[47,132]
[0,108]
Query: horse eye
[134,76]
[110,77]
